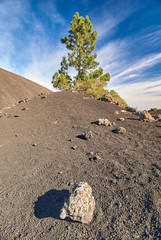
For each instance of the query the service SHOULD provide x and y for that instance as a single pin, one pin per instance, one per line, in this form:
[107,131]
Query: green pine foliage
[89,80]
[93,84]
[81,41]
[61,79]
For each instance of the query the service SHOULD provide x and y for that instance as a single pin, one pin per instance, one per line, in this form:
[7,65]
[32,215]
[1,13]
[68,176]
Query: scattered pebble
[104,121]
[95,158]
[74,147]
[123,111]
[116,112]
[120,130]
[70,140]
[121,119]
[34,144]
[21,101]
[16,115]
[86,135]
[24,109]
[90,153]
[42,97]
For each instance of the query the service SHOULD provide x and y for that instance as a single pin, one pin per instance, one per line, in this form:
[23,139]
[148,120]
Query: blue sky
[128,43]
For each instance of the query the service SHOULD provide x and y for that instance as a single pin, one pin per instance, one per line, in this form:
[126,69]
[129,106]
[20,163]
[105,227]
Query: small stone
[74,147]
[116,112]
[121,119]
[123,111]
[104,121]
[16,115]
[20,101]
[95,158]
[119,130]
[107,98]
[131,109]
[16,135]
[70,183]
[145,116]
[24,109]
[90,153]
[34,144]
[42,97]
[60,172]
[80,204]
[86,135]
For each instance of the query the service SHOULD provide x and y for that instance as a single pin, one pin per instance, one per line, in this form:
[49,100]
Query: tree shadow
[50,204]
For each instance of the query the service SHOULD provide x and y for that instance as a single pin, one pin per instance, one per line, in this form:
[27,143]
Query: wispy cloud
[33,51]
[49,9]
[129,69]
[44,63]
[11,19]
[113,14]
[143,95]
[140,65]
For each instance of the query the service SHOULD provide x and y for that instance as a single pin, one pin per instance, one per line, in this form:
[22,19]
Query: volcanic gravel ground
[39,166]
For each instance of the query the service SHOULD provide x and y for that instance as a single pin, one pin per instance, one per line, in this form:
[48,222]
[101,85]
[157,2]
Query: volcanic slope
[42,157]
[14,88]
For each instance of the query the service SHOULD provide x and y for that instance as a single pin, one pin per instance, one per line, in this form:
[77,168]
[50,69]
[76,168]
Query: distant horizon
[128,43]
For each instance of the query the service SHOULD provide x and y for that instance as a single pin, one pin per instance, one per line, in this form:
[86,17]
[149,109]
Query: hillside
[42,157]
[14,88]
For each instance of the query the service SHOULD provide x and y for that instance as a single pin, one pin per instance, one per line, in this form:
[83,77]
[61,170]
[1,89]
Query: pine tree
[61,79]
[81,42]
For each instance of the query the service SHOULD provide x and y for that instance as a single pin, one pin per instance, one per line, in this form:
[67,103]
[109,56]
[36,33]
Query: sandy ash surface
[38,169]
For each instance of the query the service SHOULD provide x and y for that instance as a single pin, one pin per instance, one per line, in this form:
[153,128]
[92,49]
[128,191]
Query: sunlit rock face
[80,204]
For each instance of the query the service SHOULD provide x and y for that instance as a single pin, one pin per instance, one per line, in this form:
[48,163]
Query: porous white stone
[80,204]
[145,116]
[104,121]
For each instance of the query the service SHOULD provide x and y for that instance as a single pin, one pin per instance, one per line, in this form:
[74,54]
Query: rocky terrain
[52,142]
[14,88]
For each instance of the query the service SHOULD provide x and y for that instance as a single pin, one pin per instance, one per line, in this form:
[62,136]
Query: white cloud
[113,56]
[28,53]
[128,73]
[144,95]
[140,65]
[112,14]
[44,63]
[50,10]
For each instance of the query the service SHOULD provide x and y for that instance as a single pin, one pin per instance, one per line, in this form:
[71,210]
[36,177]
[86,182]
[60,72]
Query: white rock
[145,116]
[104,121]
[80,204]
[123,111]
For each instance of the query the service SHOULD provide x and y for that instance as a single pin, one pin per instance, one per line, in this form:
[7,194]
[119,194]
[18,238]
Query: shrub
[60,81]
[117,97]
[92,87]
[154,109]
